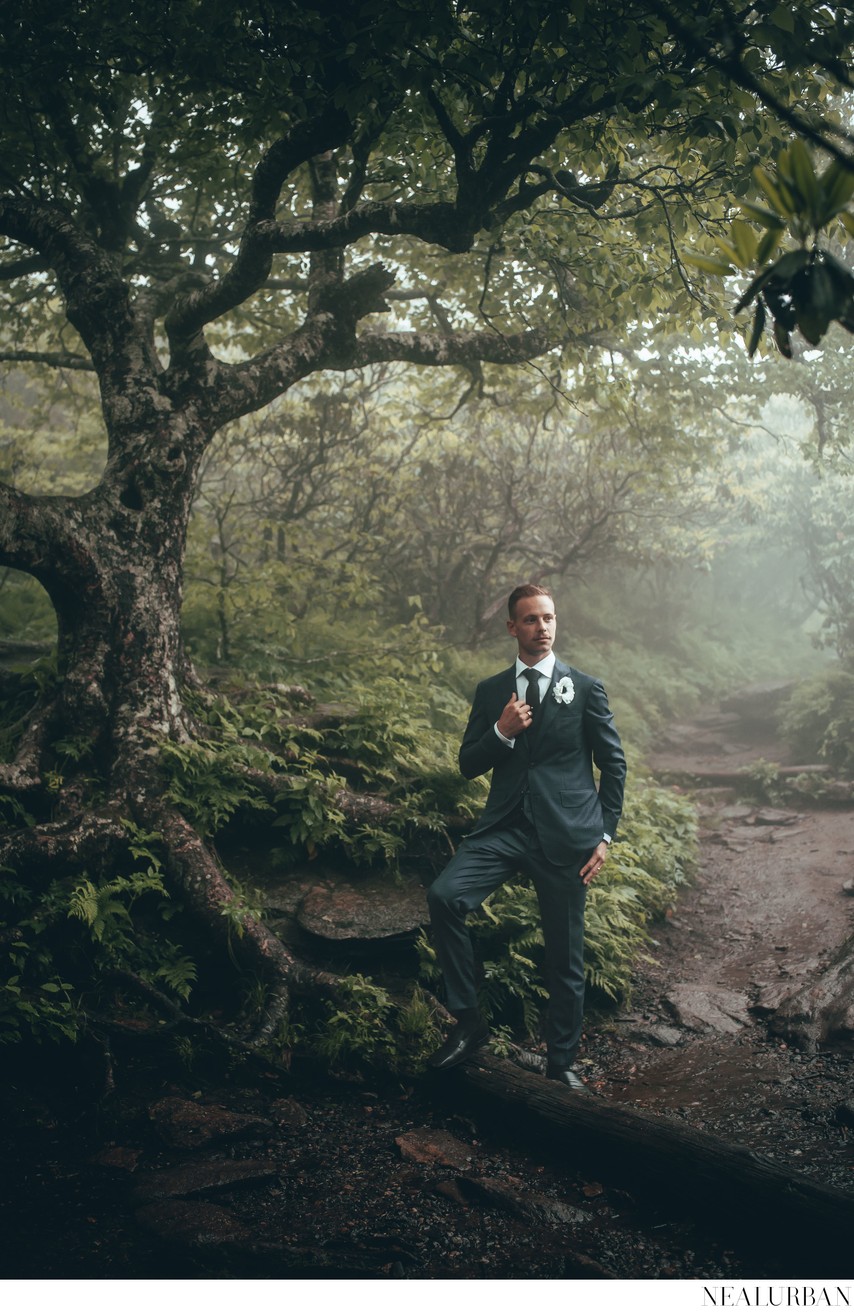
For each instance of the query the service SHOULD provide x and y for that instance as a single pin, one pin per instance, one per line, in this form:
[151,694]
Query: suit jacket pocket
[581,811]
[578,797]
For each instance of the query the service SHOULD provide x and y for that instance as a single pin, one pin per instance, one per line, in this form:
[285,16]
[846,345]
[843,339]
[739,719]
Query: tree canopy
[241,194]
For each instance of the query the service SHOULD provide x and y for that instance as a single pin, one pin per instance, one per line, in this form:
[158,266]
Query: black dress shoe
[464,1039]
[567,1077]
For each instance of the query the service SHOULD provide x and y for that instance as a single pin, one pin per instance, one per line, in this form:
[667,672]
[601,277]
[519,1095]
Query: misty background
[690,509]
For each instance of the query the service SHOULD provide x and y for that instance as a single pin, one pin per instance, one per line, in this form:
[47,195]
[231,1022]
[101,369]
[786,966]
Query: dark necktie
[533,698]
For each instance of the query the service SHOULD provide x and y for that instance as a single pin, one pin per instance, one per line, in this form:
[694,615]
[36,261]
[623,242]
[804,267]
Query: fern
[179,975]
[207,781]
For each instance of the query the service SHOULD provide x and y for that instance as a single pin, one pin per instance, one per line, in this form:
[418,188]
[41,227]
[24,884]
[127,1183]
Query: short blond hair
[525,590]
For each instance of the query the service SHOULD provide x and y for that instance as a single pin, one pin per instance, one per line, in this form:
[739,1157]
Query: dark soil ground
[302,1176]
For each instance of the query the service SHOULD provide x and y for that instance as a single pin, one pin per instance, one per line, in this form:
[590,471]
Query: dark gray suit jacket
[552,763]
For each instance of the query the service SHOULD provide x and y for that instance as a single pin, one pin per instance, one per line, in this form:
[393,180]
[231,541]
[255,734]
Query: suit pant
[482,864]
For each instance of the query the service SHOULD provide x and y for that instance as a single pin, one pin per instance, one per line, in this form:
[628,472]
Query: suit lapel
[504,688]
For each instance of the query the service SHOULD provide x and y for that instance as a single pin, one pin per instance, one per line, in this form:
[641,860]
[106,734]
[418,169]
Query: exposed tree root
[209,897]
[358,808]
[16,779]
[178,1020]
[275,1014]
[49,850]
[100,841]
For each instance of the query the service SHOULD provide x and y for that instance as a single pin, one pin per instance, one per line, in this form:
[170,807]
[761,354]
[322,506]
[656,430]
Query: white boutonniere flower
[564,690]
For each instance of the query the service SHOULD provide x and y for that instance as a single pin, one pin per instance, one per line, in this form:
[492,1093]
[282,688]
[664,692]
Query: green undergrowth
[67,942]
[271,764]
[817,719]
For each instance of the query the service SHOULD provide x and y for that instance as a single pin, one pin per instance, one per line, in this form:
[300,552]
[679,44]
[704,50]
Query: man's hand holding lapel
[515,718]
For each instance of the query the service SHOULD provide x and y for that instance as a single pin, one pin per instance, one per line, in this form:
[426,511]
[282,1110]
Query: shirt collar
[545,666]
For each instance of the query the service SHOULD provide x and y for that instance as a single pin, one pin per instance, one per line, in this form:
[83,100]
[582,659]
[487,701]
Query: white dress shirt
[545,669]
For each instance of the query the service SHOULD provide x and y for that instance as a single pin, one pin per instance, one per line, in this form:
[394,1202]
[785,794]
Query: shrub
[816,721]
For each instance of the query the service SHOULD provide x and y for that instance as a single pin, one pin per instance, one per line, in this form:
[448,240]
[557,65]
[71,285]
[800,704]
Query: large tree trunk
[112,565]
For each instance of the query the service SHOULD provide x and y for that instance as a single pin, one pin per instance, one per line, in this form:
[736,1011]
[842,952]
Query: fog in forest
[688,508]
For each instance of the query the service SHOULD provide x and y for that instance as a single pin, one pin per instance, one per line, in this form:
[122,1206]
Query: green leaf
[757,330]
[766,217]
[782,16]
[828,293]
[769,243]
[730,252]
[753,287]
[708,264]
[803,175]
[781,202]
[790,264]
[744,240]
[843,275]
[837,184]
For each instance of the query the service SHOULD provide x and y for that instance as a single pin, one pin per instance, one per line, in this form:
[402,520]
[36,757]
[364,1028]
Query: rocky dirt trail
[768,907]
[183,1175]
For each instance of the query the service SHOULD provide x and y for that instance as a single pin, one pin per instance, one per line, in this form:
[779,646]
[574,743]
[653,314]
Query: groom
[539,727]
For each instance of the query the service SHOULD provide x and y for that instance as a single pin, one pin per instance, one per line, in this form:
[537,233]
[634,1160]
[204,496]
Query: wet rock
[434,1148]
[450,1189]
[664,1036]
[659,1036]
[770,997]
[769,816]
[372,909]
[707,1007]
[117,1158]
[745,835]
[198,1178]
[529,1206]
[738,811]
[195,1224]
[288,1113]
[284,896]
[183,1124]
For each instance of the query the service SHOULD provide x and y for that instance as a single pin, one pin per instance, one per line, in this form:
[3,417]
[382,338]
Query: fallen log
[728,1186]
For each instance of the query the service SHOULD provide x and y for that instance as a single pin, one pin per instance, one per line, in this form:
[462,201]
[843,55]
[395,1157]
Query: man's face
[533,626]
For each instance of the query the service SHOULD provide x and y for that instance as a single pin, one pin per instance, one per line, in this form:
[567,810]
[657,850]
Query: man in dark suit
[540,727]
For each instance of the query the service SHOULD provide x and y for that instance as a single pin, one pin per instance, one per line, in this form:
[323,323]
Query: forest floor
[304,1176]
